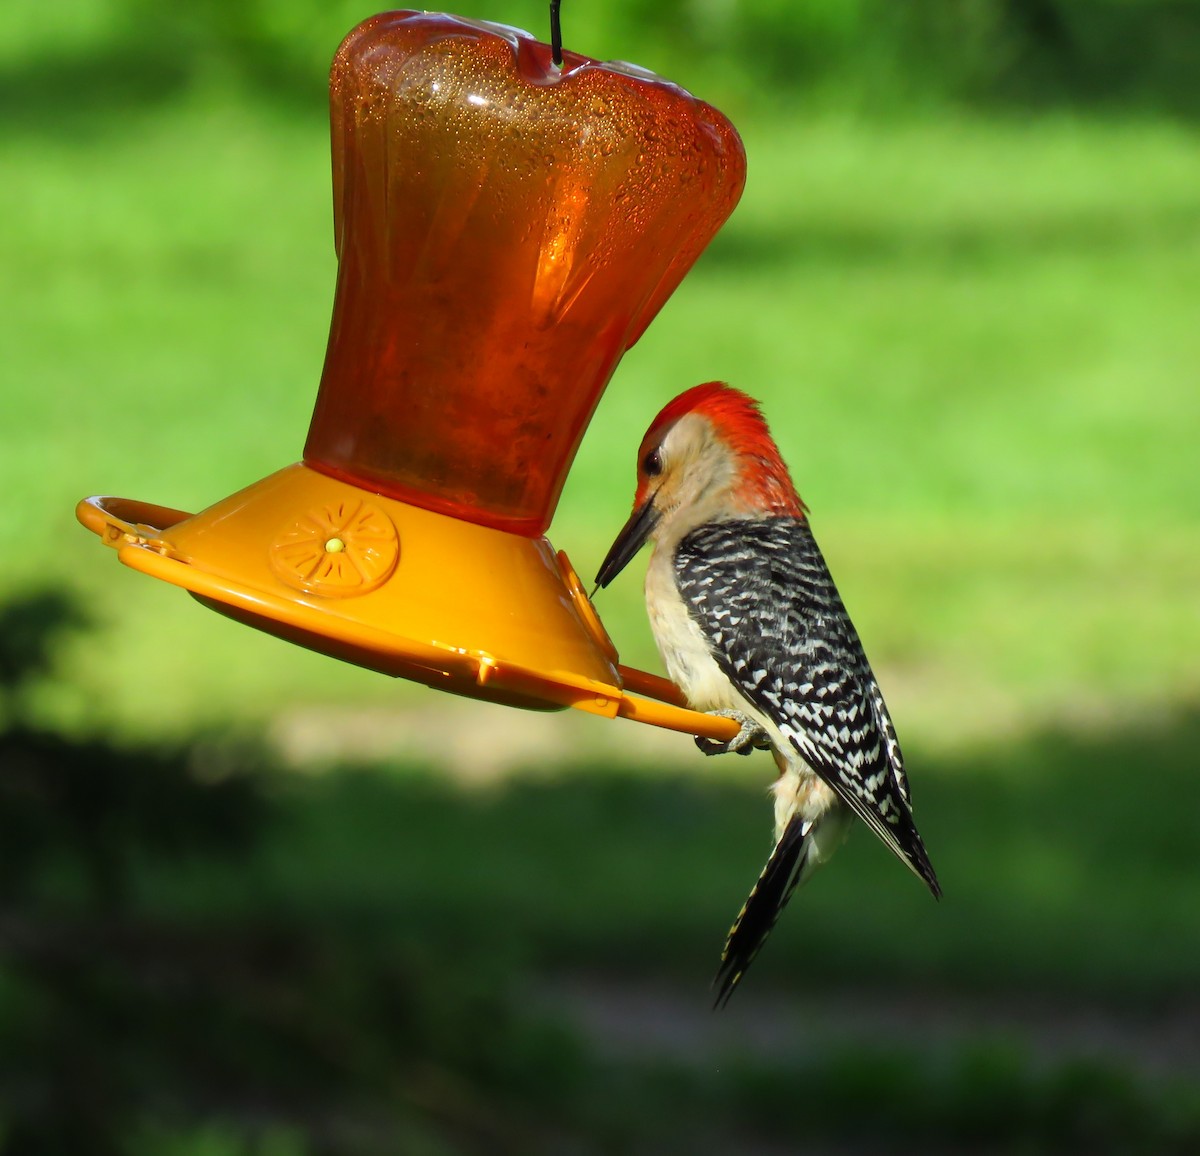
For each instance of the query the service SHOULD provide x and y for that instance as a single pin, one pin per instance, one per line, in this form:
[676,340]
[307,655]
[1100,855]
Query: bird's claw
[750,737]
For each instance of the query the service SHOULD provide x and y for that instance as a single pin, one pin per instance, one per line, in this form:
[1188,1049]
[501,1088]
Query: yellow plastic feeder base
[398,589]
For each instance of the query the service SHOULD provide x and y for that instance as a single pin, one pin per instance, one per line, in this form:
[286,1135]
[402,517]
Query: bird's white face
[696,480]
[687,475]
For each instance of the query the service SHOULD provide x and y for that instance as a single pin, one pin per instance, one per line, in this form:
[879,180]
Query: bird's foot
[751,736]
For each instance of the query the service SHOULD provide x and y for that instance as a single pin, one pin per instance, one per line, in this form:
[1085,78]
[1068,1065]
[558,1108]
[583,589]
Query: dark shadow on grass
[159,980]
[32,626]
[951,246]
[193,942]
[107,89]
[70,94]
[1051,876]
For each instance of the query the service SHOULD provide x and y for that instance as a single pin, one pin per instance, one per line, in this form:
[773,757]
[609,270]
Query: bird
[751,627]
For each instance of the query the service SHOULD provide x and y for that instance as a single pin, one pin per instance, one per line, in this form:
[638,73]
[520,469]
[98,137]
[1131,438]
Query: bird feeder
[505,229]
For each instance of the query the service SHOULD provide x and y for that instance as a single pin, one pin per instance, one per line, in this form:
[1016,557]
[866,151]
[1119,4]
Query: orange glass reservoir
[505,230]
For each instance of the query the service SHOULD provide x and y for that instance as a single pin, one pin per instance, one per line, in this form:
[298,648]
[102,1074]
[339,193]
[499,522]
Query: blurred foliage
[877,53]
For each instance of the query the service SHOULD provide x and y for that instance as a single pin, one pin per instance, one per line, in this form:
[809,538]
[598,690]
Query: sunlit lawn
[976,341]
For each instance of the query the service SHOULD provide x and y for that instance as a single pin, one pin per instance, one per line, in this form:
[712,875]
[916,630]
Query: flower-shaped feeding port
[337,551]
[505,229]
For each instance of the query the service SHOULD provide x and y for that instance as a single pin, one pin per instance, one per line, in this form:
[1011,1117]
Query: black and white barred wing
[761,593]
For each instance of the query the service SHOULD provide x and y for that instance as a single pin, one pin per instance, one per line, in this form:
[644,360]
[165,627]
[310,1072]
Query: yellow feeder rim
[361,577]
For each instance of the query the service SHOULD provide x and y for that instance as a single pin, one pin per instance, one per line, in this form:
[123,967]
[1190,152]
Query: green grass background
[964,280]
[974,336]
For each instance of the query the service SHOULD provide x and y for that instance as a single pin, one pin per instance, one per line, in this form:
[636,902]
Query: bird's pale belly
[684,651]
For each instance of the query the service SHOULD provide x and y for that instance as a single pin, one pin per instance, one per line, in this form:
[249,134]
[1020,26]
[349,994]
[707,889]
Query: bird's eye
[652,464]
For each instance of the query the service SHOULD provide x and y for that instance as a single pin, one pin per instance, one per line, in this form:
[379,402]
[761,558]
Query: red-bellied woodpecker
[751,626]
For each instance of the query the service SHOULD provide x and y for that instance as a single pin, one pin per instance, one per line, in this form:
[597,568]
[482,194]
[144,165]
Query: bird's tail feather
[759,913]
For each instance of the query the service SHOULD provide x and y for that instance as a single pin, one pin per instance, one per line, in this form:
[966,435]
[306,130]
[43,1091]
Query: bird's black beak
[629,541]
